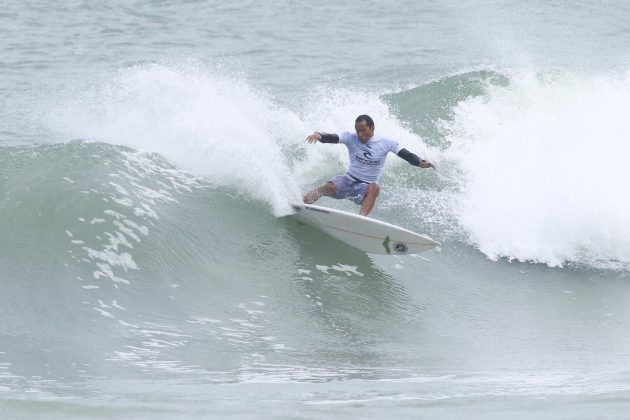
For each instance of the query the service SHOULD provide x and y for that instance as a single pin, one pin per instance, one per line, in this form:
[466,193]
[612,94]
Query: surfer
[367,157]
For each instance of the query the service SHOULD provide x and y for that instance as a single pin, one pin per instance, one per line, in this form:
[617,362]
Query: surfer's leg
[327,189]
[369,200]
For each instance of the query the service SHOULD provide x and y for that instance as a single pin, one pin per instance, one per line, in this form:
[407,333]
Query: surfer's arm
[323,138]
[415,160]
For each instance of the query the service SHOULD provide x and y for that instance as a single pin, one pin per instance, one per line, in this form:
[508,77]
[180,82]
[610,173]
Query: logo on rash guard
[366,159]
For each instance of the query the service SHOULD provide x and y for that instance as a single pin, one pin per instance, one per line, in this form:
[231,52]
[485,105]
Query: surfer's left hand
[426,164]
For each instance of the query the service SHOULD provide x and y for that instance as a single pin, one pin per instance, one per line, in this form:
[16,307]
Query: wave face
[115,260]
[117,264]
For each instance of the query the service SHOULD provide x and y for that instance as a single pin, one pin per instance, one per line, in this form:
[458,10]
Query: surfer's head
[364,126]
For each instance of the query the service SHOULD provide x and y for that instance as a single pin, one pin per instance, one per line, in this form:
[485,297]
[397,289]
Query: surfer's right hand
[314,138]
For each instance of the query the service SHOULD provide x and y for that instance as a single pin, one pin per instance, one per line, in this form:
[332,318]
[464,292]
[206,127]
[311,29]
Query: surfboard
[364,233]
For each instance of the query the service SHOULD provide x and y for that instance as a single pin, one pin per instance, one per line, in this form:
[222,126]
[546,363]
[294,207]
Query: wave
[528,162]
[215,125]
[119,247]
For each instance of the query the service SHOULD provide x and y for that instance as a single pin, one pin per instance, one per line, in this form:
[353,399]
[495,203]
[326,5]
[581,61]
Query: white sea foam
[207,123]
[546,166]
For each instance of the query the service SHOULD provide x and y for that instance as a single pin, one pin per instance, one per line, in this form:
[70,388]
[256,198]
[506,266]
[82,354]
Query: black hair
[368,120]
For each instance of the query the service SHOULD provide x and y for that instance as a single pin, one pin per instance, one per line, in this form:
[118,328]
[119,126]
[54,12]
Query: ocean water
[149,151]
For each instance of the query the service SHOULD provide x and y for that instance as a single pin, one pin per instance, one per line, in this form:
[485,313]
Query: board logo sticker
[317,210]
[401,248]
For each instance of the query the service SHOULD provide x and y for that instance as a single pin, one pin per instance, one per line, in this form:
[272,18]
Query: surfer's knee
[373,189]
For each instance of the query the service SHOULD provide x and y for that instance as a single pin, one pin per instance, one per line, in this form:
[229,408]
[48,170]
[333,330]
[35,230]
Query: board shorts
[349,188]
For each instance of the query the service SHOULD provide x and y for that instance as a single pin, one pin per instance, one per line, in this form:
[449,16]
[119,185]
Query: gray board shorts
[349,188]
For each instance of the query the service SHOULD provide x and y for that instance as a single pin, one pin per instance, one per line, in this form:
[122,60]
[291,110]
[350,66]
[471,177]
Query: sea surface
[149,151]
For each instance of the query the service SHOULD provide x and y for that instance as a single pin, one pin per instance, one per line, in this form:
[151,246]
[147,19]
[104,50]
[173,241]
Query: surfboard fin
[386,245]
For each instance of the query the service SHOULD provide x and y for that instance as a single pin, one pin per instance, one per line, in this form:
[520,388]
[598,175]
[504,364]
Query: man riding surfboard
[367,153]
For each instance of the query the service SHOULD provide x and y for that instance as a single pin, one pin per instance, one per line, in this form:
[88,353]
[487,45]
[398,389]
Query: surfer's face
[364,131]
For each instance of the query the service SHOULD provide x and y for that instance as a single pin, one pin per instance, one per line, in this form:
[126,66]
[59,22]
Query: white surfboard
[367,234]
